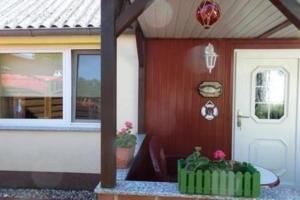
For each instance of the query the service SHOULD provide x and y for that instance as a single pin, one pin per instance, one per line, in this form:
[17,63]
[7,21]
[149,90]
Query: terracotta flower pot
[124,157]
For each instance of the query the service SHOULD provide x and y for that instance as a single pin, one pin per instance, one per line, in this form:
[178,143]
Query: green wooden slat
[199,182]
[256,184]
[191,182]
[207,182]
[183,181]
[238,184]
[215,182]
[179,166]
[230,185]
[247,184]
[223,185]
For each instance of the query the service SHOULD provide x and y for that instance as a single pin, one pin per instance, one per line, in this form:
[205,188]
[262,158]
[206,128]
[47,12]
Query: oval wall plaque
[210,89]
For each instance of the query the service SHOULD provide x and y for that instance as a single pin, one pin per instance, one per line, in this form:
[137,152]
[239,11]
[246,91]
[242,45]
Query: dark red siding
[174,70]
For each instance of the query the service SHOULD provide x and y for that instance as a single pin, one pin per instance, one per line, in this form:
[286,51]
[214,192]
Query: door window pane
[260,95]
[31,85]
[276,111]
[270,94]
[261,111]
[260,79]
[88,83]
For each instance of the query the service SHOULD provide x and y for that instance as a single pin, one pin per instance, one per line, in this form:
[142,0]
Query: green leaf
[125,140]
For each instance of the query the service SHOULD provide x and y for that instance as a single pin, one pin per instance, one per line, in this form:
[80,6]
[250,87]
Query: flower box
[224,183]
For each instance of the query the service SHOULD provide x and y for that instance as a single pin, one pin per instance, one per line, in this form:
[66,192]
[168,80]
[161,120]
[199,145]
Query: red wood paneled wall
[174,70]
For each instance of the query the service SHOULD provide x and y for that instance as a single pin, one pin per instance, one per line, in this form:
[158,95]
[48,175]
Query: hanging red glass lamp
[208,13]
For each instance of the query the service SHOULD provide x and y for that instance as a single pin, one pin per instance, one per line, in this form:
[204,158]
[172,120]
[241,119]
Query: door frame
[297,128]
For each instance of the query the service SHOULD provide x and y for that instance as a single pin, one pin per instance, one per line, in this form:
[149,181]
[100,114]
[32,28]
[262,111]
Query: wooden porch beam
[275,29]
[289,8]
[109,11]
[130,14]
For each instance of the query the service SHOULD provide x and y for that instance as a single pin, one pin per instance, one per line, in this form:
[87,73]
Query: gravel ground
[278,193]
[46,194]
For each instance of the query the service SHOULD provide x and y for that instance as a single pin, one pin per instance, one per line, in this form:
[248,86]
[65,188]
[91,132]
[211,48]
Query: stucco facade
[68,149]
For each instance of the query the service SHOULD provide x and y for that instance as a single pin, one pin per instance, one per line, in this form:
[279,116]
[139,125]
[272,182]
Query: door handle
[240,117]
[243,116]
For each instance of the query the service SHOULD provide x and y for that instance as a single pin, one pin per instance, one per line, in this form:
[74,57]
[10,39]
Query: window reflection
[88,87]
[31,85]
[275,86]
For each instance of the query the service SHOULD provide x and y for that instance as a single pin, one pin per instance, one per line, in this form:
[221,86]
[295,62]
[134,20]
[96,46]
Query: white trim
[233,106]
[297,140]
[268,53]
[66,122]
[68,89]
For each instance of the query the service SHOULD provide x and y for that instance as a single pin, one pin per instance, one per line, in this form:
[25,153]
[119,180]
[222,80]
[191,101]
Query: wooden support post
[110,29]
[141,49]
[108,92]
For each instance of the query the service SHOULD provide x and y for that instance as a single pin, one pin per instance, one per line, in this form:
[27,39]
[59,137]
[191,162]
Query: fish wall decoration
[210,89]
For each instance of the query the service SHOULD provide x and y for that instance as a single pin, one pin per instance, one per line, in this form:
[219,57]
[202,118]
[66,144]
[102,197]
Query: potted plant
[125,143]
[199,175]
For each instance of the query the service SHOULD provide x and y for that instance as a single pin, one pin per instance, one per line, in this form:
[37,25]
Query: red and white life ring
[209,111]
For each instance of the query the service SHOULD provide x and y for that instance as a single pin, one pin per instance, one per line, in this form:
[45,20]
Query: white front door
[265,122]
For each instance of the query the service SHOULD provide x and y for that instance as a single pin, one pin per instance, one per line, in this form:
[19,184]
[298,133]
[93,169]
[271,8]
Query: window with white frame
[57,88]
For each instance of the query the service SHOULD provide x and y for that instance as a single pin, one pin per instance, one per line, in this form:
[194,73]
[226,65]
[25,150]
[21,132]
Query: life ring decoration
[209,111]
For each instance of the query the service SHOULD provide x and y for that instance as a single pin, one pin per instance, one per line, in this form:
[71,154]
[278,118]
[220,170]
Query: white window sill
[72,128]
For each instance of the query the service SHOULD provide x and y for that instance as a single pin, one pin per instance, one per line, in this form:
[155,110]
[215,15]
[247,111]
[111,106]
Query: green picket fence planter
[218,182]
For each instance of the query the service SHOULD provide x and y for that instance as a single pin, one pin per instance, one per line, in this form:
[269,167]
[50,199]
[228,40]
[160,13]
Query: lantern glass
[210,57]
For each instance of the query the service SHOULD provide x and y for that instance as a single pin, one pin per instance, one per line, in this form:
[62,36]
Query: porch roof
[239,19]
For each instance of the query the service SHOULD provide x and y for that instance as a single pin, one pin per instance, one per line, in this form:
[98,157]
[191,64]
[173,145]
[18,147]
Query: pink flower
[123,130]
[219,154]
[128,125]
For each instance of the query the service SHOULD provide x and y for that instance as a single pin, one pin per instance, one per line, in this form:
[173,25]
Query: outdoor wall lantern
[210,57]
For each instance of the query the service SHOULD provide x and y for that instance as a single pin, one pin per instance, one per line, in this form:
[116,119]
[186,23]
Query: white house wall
[127,81]
[77,152]
[67,151]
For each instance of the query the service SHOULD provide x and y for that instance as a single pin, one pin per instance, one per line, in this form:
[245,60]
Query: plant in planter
[199,175]
[125,143]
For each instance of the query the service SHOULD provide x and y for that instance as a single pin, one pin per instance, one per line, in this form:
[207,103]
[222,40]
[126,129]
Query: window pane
[260,94]
[276,86]
[261,111]
[261,79]
[88,87]
[270,94]
[31,85]
[276,111]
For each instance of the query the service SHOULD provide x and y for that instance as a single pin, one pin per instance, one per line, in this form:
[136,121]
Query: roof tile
[35,14]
